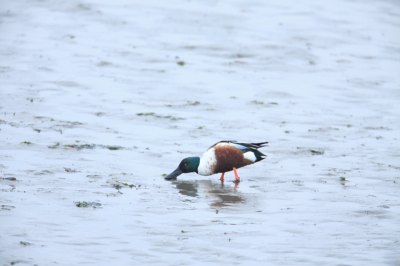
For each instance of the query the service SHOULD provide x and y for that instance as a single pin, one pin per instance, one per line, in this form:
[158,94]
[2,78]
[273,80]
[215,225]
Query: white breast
[207,163]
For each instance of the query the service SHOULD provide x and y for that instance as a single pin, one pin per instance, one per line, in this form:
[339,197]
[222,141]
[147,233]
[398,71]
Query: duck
[222,157]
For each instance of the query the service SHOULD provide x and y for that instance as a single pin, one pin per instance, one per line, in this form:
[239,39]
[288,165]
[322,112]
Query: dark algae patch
[193,103]
[81,146]
[9,178]
[128,185]
[343,180]
[159,116]
[114,148]
[6,207]
[188,103]
[121,184]
[72,123]
[25,243]
[54,146]
[317,152]
[263,103]
[86,204]
[86,146]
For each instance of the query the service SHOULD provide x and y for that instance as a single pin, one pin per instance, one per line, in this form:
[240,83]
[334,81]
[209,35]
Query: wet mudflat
[99,100]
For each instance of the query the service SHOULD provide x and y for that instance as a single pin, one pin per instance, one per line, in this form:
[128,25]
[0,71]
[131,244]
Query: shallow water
[100,99]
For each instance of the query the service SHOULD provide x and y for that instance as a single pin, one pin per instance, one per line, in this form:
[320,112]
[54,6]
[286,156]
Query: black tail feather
[253,145]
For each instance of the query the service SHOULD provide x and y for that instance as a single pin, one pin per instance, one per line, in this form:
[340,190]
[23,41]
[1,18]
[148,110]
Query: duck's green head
[187,165]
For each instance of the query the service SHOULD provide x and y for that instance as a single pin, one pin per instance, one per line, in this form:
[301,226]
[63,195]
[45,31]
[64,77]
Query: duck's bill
[174,174]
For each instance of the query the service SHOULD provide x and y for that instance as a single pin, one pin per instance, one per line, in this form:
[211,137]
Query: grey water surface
[100,99]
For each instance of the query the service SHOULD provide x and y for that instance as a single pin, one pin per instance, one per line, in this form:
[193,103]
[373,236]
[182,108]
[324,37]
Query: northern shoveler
[221,157]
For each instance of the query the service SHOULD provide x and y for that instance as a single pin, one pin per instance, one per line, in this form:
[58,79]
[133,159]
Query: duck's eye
[185,164]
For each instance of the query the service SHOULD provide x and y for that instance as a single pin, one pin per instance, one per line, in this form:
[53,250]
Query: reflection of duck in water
[222,157]
[221,196]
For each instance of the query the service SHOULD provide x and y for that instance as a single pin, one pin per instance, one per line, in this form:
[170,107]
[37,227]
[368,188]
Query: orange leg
[236,175]
[222,177]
